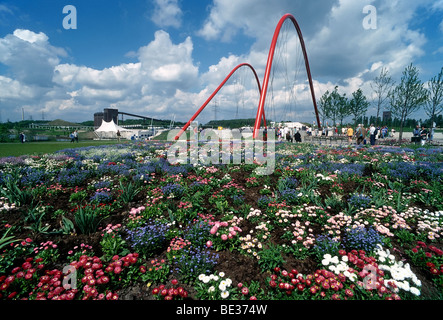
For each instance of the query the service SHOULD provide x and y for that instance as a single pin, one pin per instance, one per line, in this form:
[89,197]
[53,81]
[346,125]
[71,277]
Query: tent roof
[110,127]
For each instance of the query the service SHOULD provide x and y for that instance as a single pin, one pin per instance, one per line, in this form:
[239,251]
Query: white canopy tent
[108,130]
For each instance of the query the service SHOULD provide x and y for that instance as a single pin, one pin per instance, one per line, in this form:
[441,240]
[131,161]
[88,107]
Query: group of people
[421,135]
[74,136]
[361,133]
[288,134]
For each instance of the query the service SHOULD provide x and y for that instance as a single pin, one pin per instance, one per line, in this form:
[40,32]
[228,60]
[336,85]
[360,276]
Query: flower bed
[121,222]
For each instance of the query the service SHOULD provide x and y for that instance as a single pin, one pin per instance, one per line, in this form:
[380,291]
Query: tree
[324,104]
[333,106]
[407,97]
[358,105]
[382,87]
[434,104]
[339,108]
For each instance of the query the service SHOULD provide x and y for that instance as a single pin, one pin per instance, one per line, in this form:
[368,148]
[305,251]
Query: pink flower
[244,290]
[224,237]
[213,230]
[209,243]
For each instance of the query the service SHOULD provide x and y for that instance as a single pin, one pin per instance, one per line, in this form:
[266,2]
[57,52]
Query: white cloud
[167,13]
[30,57]
[30,36]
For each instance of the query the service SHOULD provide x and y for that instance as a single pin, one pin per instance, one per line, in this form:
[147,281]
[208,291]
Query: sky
[163,58]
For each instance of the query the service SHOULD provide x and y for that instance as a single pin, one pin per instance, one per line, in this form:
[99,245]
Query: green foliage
[129,192]
[87,220]
[270,258]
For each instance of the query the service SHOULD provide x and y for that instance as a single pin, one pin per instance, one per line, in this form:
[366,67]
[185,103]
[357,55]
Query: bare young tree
[358,105]
[408,96]
[434,104]
[382,87]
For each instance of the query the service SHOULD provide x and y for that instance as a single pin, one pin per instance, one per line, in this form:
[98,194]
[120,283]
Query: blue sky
[163,58]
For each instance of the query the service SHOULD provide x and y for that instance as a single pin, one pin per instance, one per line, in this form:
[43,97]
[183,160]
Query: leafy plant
[270,258]
[14,194]
[129,192]
[87,220]
[6,240]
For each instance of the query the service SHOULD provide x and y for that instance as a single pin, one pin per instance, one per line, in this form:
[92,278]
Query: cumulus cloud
[30,57]
[167,13]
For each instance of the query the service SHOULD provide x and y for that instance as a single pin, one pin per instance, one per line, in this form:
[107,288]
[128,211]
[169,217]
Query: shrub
[149,239]
[360,238]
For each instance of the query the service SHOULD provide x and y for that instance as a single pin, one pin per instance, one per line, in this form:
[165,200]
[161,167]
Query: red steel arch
[260,110]
[217,90]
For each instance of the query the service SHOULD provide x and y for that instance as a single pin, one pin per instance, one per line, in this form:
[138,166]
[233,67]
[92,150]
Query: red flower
[174,282]
[300,287]
[272,283]
[434,271]
[349,292]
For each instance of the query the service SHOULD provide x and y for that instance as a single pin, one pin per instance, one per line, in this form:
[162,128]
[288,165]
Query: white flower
[334,260]
[415,291]
[201,277]
[224,294]
[222,285]
[221,274]
[211,289]
[326,259]
[206,279]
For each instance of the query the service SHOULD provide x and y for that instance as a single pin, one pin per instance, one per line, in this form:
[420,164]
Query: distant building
[387,115]
[108,115]
[98,118]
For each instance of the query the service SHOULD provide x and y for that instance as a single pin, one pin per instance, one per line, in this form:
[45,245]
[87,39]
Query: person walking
[76,136]
[424,135]
[350,134]
[360,133]
[416,135]
[118,135]
[372,134]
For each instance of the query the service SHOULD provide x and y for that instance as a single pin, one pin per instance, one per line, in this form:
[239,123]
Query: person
[22,137]
[423,135]
[118,135]
[360,133]
[72,137]
[416,135]
[76,136]
[350,133]
[416,131]
[372,134]
[431,134]
[297,136]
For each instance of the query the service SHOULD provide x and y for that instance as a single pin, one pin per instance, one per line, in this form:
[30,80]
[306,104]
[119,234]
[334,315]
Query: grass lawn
[42,147]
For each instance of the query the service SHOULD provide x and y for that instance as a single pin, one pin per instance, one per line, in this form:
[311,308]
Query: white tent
[108,130]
